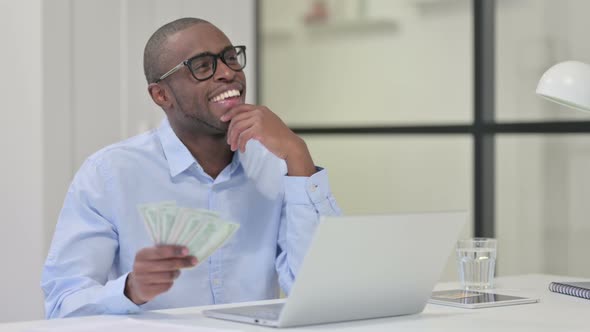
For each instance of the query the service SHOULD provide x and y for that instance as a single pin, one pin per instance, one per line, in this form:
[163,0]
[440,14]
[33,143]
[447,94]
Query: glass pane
[532,36]
[542,204]
[373,174]
[371,62]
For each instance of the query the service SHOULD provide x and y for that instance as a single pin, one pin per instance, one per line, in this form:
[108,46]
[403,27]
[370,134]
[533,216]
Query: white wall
[398,62]
[21,169]
[72,83]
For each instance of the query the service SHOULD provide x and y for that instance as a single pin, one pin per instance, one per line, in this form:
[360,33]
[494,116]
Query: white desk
[555,312]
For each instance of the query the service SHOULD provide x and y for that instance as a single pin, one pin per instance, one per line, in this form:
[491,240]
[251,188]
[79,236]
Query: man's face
[198,105]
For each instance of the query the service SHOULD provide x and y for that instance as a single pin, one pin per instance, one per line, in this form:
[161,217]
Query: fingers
[237,110]
[237,129]
[170,264]
[158,277]
[260,123]
[154,271]
[239,118]
[153,290]
[244,137]
[162,252]
[141,288]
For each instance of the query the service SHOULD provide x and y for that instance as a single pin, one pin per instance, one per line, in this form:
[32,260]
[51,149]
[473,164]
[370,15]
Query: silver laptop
[361,267]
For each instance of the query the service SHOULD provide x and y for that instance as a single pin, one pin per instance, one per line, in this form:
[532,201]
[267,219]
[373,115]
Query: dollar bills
[201,231]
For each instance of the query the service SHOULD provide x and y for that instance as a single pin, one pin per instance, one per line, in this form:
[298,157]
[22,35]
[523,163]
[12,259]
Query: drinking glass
[476,259]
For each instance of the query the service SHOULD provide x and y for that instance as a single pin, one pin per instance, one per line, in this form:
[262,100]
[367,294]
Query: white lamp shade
[567,83]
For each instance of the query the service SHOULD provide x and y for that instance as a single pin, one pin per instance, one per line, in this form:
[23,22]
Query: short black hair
[154,51]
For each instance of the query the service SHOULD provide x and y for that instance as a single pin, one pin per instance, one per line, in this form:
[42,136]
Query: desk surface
[555,312]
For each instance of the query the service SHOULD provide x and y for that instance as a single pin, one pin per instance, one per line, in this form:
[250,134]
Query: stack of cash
[201,231]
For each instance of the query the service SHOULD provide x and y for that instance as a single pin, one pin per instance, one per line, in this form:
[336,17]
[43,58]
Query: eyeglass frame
[218,56]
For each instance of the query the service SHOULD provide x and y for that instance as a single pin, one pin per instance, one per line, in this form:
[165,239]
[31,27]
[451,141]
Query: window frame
[483,129]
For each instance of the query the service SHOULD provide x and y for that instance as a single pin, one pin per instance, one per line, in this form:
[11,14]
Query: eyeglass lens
[204,66]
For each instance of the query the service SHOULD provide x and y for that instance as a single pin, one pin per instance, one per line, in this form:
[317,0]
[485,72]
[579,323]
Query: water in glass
[476,267]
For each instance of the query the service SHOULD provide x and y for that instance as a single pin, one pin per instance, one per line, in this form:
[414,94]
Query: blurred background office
[412,105]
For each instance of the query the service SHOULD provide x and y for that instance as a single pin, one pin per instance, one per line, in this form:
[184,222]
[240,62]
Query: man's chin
[211,127]
[217,132]
[222,127]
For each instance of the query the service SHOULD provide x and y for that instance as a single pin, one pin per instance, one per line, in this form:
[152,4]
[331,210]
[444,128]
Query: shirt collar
[178,156]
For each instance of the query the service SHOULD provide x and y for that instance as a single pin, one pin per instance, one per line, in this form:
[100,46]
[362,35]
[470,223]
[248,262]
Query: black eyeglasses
[203,66]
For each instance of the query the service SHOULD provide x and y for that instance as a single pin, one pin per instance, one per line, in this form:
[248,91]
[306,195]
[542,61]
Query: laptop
[361,267]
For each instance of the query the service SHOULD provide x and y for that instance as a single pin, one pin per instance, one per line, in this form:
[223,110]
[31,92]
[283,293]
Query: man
[213,151]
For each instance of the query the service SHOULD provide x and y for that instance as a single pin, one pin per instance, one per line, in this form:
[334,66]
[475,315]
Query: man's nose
[224,72]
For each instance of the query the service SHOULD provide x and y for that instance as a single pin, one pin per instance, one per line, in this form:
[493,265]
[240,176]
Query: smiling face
[196,106]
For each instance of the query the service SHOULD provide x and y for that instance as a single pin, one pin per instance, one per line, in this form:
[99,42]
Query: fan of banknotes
[201,231]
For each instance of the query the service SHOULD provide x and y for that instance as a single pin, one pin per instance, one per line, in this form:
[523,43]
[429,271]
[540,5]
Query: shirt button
[216,282]
[313,187]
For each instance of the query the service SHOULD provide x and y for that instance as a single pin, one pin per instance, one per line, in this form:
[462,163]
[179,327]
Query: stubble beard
[203,125]
[201,122]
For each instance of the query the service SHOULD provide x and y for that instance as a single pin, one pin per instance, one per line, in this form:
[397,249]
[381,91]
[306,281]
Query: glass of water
[476,260]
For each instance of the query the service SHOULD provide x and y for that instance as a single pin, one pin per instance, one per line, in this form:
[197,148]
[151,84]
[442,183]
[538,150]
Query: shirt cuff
[307,190]
[115,300]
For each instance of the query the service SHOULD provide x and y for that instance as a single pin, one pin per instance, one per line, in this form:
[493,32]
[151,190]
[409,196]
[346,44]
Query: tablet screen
[472,298]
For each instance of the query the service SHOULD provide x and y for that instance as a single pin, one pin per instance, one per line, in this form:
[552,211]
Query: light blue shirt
[100,230]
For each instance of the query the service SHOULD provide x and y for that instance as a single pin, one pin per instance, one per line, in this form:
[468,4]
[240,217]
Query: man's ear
[159,95]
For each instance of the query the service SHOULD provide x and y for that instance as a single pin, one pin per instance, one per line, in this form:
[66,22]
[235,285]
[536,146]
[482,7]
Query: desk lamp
[567,83]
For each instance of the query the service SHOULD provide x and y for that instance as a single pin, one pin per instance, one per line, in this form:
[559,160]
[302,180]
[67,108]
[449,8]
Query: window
[423,105]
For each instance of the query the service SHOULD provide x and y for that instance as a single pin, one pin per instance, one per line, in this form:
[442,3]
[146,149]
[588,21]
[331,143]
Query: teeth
[225,95]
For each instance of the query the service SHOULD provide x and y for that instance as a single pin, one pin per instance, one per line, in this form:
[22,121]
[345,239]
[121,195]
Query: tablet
[474,299]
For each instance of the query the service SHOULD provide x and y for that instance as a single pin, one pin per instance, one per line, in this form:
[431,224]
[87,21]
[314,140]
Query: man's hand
[154,271]
[259,123]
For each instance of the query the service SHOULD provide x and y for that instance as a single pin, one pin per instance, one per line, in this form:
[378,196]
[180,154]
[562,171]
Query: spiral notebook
[579,289]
